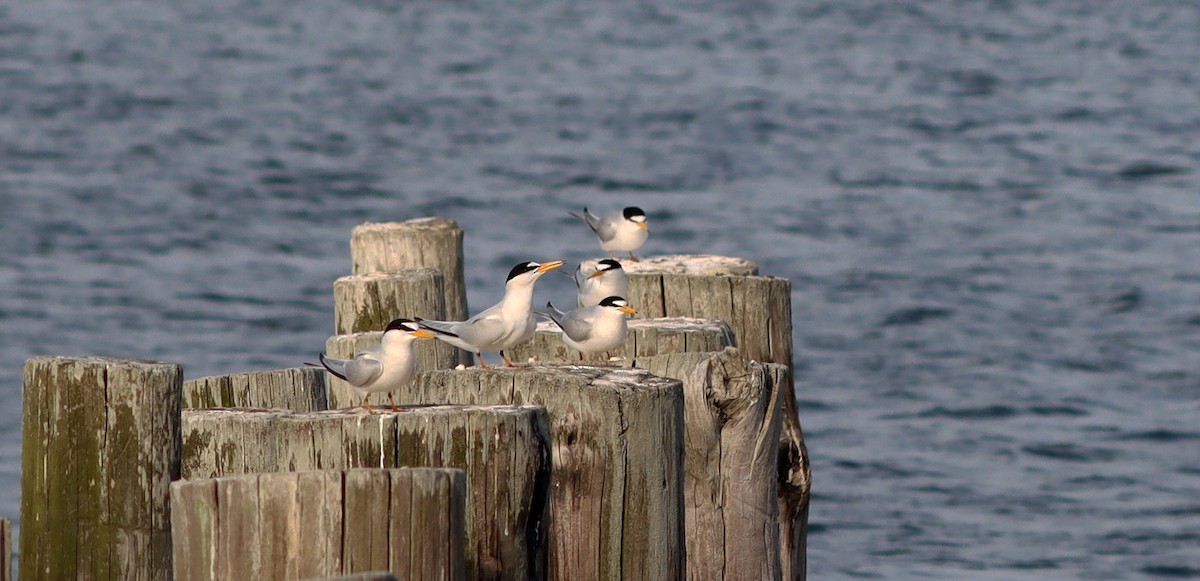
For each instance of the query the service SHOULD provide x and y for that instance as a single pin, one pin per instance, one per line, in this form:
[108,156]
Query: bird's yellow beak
[628,310]
[422,334]
[546,266]
[643,226]
[597,273]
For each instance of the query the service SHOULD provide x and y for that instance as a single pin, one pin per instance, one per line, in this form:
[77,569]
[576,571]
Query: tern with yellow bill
[606,281]
[383,368]
[623,231]
[502,325]
[593,329]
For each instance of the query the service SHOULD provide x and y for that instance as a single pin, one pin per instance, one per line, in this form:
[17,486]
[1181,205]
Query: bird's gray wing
[361,370]
[605,228]
[443,327]
[579,278]
[482,329]
[553,313]
[577,324]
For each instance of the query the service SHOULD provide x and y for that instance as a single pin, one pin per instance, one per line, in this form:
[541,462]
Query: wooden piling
[617,442]
[5,549]
[431,354]
[299,389]
[100,446]
[300,525]
[759,310]
[795,483]
[368,302]
[421,243]
[647,337]
[734,417]
[504,450]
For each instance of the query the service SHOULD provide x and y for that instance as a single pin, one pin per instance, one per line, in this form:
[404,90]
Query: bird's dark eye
[520,269]
[634,213]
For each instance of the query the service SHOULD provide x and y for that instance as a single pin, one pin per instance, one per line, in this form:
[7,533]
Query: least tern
[606,281]
[384,367]
[623,231]
[502,325]
[593,329]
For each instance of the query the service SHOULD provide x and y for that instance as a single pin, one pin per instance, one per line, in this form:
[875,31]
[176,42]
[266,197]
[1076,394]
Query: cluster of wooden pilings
[683,459]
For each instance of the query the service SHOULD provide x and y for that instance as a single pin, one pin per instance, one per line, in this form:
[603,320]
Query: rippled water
[989,211]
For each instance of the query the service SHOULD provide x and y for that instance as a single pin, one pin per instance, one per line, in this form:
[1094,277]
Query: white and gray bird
[623,231]
[606,281]
[384,367]
[502,325]
[593,329]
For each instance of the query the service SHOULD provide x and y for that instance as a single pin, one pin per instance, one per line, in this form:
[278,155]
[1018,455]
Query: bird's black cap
[608,264]
[402,325]
[520,269]
[632,212]
[614,301]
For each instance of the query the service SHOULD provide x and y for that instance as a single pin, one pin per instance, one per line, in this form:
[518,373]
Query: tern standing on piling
[606,281]
[593,329]
[502,325]
[385,367]
[623,231]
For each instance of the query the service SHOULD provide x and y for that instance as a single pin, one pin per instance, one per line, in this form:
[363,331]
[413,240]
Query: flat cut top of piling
[560,375]
[430,223]
[423,410]
[698,264]
[669,323]
[408,273]
[95,360]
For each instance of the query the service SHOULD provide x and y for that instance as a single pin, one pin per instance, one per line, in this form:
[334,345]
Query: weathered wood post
[504,450]
[101,445]
[6,549]
[421,243]
[734,410]
[617,443]
[430,355]
[646,337]
[759,310]
[368,302]
[300,525]
[300,389]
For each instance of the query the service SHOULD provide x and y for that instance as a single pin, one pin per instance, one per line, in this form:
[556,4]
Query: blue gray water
[989,211]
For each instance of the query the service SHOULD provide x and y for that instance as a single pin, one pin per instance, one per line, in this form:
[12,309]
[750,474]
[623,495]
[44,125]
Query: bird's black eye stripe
[609,264]
[520,269]
[633,212]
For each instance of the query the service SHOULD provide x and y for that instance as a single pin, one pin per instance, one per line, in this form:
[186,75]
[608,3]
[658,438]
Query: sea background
[989,212]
